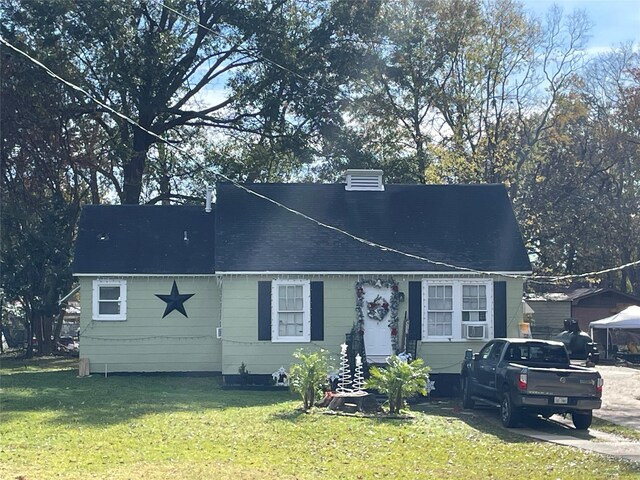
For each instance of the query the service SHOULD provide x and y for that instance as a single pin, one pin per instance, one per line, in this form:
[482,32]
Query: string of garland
[392,306]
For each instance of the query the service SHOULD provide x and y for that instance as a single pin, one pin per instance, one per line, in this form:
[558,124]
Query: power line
[589,274]
[550,279]
[239,185]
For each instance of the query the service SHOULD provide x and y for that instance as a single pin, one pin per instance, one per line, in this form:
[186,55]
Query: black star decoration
[175,301]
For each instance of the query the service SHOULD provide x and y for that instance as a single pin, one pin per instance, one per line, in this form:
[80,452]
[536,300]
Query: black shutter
[500,309]
[317,311]
[264,310]
[415,311]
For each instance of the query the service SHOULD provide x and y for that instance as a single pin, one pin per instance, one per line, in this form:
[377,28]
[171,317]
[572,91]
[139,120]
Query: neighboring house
[582,304]
[549,312]
[589,304]
[173,288]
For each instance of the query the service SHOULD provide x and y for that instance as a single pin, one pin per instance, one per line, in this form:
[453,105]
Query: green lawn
[54,425]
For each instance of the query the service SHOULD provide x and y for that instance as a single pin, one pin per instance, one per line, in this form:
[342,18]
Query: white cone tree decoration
[358,380]
[344,383]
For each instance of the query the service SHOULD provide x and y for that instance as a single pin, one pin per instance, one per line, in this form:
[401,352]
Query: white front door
[377,334]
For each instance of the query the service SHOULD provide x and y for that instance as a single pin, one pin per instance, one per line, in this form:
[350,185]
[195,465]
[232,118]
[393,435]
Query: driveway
[620,396]
[620,405]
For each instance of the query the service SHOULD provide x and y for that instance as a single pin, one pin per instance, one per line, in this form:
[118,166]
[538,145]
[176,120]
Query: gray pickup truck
[530,376]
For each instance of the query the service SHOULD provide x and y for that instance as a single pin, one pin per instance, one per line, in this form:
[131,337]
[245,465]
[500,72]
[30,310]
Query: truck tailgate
[562,382]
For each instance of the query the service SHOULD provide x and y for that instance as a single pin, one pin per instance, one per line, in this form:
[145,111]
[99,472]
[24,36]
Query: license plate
[560,400]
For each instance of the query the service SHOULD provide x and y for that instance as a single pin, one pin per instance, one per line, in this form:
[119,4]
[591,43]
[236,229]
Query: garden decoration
[280,377]
[344,382]
[431,386]
[350,397]
[358,380]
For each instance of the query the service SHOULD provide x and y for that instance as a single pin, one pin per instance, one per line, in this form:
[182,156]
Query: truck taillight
[522,379]
[599,384]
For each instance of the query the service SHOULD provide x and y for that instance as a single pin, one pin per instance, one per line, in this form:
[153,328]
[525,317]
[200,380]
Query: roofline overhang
[292,272]
[579,298]
[103,274]
[385,272]
[71,293]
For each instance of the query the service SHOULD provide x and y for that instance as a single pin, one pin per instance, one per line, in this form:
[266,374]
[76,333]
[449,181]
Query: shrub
[244,374]
[309,375]
[399,380]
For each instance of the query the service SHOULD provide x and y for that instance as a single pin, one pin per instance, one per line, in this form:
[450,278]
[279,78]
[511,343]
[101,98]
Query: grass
[623,432]
[54,425]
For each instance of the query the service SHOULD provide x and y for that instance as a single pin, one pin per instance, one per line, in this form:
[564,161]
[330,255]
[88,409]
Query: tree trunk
[133,171]
[29,334]
[58,325]
[93,185]
[46,346]
[36,329]
[1,325]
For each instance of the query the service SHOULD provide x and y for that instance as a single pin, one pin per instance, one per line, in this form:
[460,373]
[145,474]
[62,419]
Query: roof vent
[364,180]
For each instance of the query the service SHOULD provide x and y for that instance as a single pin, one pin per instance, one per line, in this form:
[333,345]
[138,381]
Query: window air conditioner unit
[474,332]
[218,332]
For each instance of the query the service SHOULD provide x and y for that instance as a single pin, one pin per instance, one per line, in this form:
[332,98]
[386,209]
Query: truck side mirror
[468,354]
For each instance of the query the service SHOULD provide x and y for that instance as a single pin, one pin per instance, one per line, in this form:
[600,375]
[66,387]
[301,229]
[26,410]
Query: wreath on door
[378,309]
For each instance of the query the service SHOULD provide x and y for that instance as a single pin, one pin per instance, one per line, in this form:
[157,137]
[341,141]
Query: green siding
[240,325]
[146,342]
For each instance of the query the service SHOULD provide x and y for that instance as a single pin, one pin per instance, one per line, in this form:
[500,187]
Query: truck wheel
[467,401]
[509,414]
[582,420]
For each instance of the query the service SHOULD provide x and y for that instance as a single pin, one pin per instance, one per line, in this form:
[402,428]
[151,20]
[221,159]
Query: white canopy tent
[621,328]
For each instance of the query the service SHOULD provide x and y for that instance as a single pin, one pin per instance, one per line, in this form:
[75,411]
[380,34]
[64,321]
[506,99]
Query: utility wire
[550,279]
[239,185]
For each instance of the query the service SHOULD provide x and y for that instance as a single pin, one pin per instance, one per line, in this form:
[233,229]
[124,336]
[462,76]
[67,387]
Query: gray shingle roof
[469,226]
[137,239]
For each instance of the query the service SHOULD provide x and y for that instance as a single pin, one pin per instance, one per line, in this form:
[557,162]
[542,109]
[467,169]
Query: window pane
[440,297]
[109,293]
[298,301]
[109,308]
[290,324]
[474,297]
[471,316]
[439,324]
[290,298]
[470,303]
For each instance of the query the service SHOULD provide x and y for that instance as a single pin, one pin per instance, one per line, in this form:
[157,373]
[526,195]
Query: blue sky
[614,21]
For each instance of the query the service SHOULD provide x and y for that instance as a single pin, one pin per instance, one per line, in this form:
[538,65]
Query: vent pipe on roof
[207,207]
[364,180]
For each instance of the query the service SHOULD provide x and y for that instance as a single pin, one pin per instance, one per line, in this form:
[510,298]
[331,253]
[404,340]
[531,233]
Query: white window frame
[306,312]
[118,317]
[457,326]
